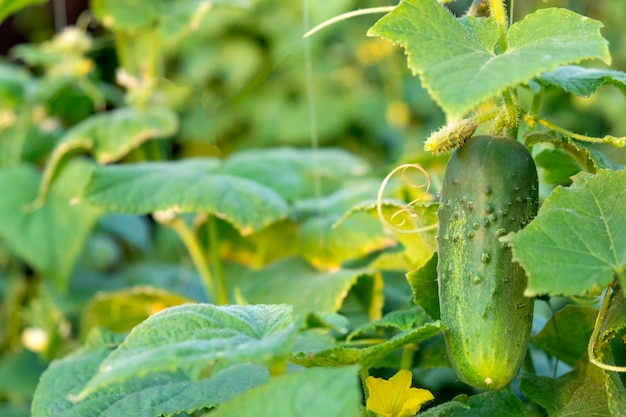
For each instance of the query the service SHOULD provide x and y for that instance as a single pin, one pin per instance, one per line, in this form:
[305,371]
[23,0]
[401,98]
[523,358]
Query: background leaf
[292,281]
[425,287]
[196,337]
[488,404]
[576,243]
[579,393]
[187,186]
[583,81]
[566,335]
[322,392]
[8,7]
[51,236]
[460,73]
[110,136]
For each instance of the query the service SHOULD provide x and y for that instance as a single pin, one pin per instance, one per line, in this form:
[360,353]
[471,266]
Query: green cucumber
[489,189]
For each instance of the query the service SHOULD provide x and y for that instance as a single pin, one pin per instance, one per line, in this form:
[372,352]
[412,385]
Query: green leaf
[19,373]
[292,172]
[576,243]
[579,393]
[172,15]
[121,310]
[425,287]
[308,393]
[460,72]
[401,320]
[292,281]
[196,337]
[49,237]
[566,335]
[371,355]
[488,404]
[583,81]
[124,15]
[193,185]
[557,166]
[110,136]
[328,246]
[8,7]
[165,393]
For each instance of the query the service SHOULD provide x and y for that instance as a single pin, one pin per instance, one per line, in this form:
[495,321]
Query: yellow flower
[395,397]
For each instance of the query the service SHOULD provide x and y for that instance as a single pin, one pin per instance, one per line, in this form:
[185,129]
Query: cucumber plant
[218,280]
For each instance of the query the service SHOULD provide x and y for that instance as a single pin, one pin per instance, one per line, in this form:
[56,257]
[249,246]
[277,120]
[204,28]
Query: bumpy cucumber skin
[489,189]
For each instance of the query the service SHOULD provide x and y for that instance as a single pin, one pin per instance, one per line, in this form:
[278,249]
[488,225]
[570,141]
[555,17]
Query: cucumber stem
[608,139]
[216,261]
[197,257]
[498,12]
[604,306]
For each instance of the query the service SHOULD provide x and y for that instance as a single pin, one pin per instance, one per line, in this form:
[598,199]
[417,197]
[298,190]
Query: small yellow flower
[395,397]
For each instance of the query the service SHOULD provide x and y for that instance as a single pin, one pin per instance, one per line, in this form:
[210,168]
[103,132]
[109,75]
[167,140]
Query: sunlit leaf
[576,243]
[190,338]
[460,72]
[321,392]
[292,281]
[121,310]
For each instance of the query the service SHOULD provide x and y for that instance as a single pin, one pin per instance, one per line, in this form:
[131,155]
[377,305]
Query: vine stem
[608,139]
[498,12]
[216,261]
[596,329]
[197,256]
[348,15]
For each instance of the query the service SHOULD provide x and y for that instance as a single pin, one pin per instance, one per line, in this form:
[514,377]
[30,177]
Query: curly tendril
[393,223]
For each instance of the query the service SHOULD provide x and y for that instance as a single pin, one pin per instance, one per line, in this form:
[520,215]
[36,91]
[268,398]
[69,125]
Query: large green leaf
[583,81]
[460,72]
[193,185]
[292,172]
[579,393]
[48,237]
[195,338]
[164,393]
[488,404]
[292,281]
[322,392]
[577,242]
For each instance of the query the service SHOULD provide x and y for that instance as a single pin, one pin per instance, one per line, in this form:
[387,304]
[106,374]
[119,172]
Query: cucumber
[489,189]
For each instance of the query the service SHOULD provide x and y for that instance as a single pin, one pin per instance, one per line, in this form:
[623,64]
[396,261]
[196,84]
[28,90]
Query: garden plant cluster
[317,208]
